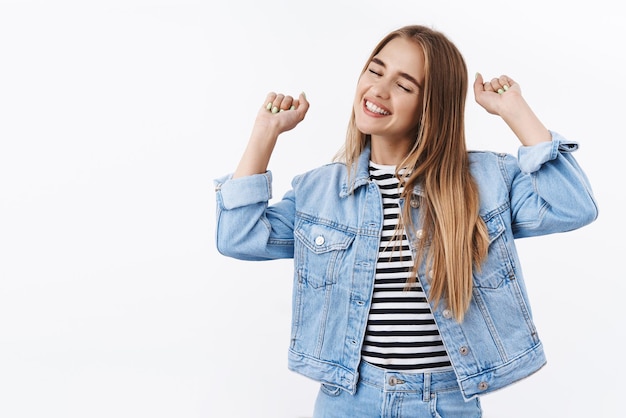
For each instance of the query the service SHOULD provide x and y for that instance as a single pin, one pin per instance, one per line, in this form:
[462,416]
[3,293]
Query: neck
[388,152]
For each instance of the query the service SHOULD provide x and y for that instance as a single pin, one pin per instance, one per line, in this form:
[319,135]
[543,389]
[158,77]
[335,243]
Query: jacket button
[447,313]
[464,350]
[319,240]
[483,385]
[419,233]
[415,203]
[395,381]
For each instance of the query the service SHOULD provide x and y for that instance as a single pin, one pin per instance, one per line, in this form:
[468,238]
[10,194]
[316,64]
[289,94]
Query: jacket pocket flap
[322,238]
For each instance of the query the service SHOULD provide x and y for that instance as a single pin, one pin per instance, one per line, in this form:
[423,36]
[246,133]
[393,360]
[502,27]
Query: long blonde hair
[456,235]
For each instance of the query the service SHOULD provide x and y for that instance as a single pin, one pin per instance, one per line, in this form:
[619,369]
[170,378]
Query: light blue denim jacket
[331,226]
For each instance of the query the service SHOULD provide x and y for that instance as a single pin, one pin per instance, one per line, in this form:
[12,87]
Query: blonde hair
[456,235]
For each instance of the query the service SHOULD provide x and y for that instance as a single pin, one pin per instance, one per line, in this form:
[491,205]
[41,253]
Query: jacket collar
[360,176]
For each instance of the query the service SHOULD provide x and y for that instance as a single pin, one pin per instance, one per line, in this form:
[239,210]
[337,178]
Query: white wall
[115,117]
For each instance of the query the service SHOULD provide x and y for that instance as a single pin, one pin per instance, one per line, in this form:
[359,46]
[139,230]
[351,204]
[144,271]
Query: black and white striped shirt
[401,331]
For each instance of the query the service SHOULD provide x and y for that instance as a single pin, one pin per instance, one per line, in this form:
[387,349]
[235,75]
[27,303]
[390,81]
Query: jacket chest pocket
[497,267]
[320,252]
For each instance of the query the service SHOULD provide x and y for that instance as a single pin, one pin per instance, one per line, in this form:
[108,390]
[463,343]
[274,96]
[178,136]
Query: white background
[116,116]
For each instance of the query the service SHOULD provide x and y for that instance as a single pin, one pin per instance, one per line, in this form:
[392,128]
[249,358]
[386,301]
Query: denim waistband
[398,381]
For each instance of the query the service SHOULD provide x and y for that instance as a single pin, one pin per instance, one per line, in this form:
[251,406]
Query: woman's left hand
[502,96]
[497,95]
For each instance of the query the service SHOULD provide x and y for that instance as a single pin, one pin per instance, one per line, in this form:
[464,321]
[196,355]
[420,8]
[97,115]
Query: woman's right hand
[279,113]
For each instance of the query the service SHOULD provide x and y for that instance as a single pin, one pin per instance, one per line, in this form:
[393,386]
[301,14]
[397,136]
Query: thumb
[478,83]
[303,105]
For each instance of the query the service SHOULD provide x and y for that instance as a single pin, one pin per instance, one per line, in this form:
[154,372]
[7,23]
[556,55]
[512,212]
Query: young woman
[408,296]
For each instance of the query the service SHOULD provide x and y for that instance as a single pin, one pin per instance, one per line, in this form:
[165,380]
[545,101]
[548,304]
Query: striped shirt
[401,332]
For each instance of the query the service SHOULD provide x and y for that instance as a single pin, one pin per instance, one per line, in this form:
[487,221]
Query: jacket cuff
[531,158]
[243,191]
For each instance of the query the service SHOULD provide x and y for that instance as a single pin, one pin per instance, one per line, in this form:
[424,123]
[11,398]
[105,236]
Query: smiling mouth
[375,109]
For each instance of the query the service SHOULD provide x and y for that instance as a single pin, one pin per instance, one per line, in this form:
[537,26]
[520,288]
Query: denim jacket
[331,224]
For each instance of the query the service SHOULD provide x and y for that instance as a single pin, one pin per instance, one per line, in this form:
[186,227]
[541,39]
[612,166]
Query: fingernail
[476,76]
[275,109]
[269,106]
[505,87]
[303,95]
[292,107]
[500,91]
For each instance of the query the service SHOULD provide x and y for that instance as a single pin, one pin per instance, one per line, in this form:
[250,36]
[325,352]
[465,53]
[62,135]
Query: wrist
[525,124]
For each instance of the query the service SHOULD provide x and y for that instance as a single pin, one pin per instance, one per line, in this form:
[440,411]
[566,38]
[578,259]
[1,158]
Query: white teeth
[373,108]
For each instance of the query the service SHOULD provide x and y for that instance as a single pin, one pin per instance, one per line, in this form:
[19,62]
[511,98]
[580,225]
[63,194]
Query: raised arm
[502,96]
[278,114]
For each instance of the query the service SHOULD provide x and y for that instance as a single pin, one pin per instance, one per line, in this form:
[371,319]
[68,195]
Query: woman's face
[388,101]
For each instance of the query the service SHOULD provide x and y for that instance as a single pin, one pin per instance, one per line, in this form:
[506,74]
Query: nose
[380,89]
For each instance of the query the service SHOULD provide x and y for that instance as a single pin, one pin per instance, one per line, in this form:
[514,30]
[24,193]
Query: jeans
[383,393]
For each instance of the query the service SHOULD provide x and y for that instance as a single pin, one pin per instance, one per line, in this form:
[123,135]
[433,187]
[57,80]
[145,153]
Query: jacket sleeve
[549,191]
[247,227]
